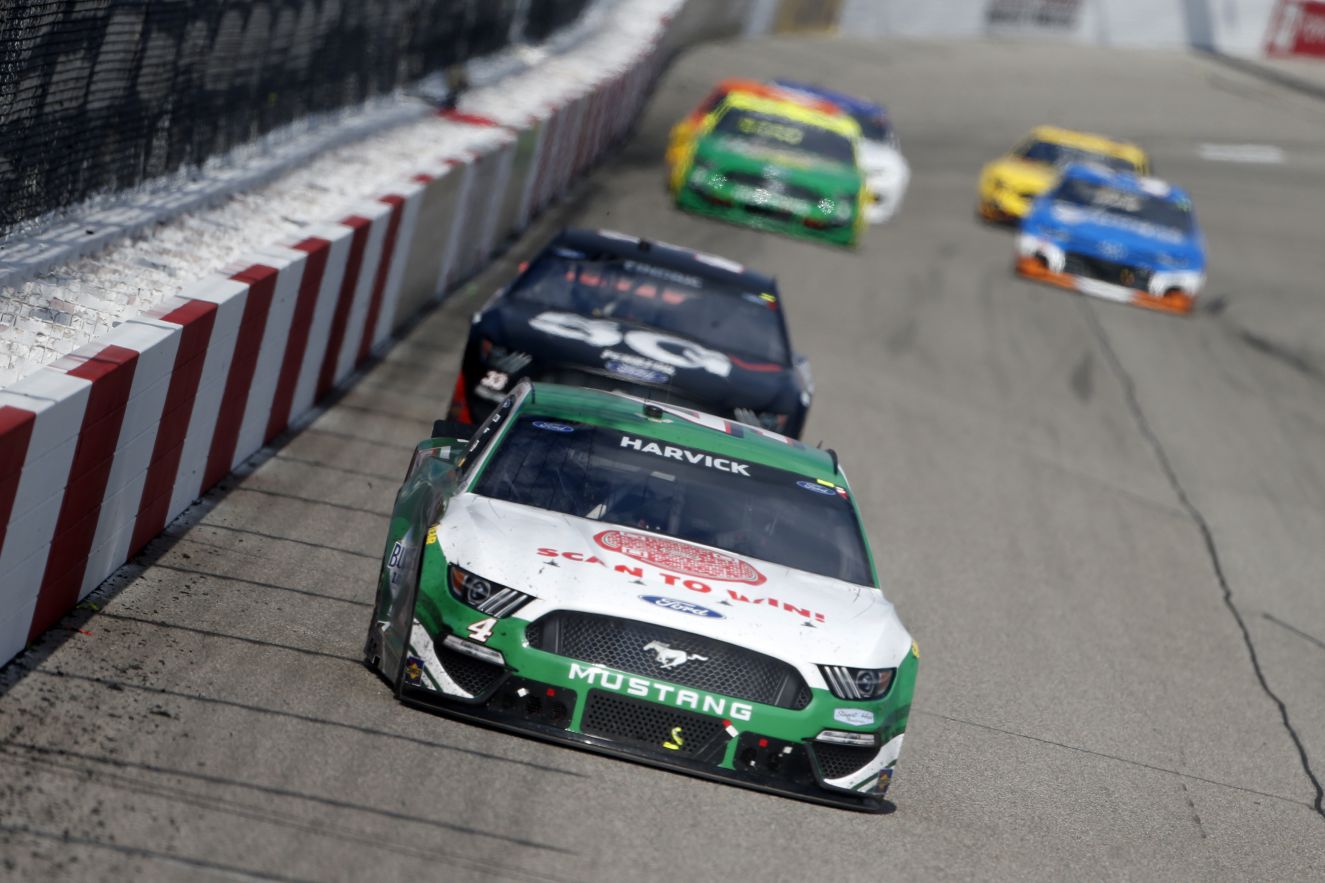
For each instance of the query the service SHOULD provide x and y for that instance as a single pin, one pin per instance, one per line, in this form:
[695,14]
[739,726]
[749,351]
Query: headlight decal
[857,683]
[484,595]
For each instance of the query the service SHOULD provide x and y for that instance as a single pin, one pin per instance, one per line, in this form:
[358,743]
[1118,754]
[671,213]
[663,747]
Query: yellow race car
[1009,184]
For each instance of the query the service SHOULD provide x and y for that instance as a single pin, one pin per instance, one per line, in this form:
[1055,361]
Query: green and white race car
[649,582]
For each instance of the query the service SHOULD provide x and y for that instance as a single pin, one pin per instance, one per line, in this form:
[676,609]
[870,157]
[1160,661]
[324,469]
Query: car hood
[737,155]
[1115,238]
[570,563]
[635,354]
[1023,176]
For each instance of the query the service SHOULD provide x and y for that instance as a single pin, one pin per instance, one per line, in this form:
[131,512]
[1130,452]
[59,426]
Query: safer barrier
[100,96]
[100,450]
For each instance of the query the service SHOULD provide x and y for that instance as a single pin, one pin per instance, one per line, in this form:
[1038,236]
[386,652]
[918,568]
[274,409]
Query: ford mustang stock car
[775,165]
[611,311]
[648,582]
[886,171]
[1009,184]
[1117,236]
[681,138]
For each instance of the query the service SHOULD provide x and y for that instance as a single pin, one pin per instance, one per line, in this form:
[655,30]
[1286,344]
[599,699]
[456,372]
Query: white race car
[650,582]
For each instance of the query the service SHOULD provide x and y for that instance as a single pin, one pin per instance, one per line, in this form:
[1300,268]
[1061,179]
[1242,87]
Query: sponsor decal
[656,346]
[663,273]
[1297,27]
[681,606]
[673,580]
[1032,15]
[633,361]
[1113,250]
[669,554]
[413,670]
[826,490]
[637,372]
[669,657]
[645,688]
[685,455]
[675,741]
[553,427]
[1074,215]
[432,535]
[853,717]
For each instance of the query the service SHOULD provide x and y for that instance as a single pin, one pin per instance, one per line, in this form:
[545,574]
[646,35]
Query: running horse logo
[670,658]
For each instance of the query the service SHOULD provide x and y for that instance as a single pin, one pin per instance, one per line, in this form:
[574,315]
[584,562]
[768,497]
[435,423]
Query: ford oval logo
[1113,250]
[681,606]
[636,372]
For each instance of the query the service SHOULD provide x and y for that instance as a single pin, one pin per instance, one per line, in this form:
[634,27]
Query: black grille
[1106,271]
[474,676]
[836,761]
[667,730]
[619,643]
[764,211]
[774,185]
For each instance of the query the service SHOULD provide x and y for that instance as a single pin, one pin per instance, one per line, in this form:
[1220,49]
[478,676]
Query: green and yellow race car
[650,582]
[775,165]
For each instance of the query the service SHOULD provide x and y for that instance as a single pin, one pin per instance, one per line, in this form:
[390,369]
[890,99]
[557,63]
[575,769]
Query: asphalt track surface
[1106,528]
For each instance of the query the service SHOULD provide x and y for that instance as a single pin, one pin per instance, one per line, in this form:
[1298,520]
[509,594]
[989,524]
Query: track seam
[1207,536]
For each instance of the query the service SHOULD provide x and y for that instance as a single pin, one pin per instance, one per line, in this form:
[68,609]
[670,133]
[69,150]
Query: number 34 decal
[482,630]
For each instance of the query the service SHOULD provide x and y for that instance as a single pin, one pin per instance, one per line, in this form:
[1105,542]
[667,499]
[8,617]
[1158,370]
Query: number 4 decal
[482,630]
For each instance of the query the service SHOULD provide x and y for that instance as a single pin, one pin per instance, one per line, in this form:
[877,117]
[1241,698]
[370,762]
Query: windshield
[1060,155]
[1175,214]
[714,313]
[783,133]
[874,126]
[746,508]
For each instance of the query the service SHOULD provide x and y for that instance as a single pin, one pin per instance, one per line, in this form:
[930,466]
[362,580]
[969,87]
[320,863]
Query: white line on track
[1253,153]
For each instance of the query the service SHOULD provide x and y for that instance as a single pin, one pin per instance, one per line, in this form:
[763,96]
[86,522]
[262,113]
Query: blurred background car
[886,171]
[1010,183]
[682,136]
[1117,236]
[775,165]
[615,312]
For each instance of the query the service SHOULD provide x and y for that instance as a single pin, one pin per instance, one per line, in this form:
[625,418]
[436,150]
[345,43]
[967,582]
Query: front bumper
[688,199]
[1166,292]
[750,745]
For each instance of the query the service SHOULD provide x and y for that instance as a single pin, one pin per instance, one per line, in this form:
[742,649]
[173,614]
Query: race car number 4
[482,630]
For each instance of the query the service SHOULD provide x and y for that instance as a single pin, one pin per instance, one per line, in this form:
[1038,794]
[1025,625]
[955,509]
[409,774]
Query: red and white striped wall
[100,450]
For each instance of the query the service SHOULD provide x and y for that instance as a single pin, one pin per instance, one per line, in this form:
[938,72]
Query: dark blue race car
[610,311]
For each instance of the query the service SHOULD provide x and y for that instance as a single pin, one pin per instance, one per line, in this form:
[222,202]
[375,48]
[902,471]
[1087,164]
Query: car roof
[778,93]
[842,124]
[681,426]
[1091,142]
[850,103]
[1099,174]
[664,254]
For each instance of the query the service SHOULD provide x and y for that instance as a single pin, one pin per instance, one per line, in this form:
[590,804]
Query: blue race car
[885,169]
[1115,235]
